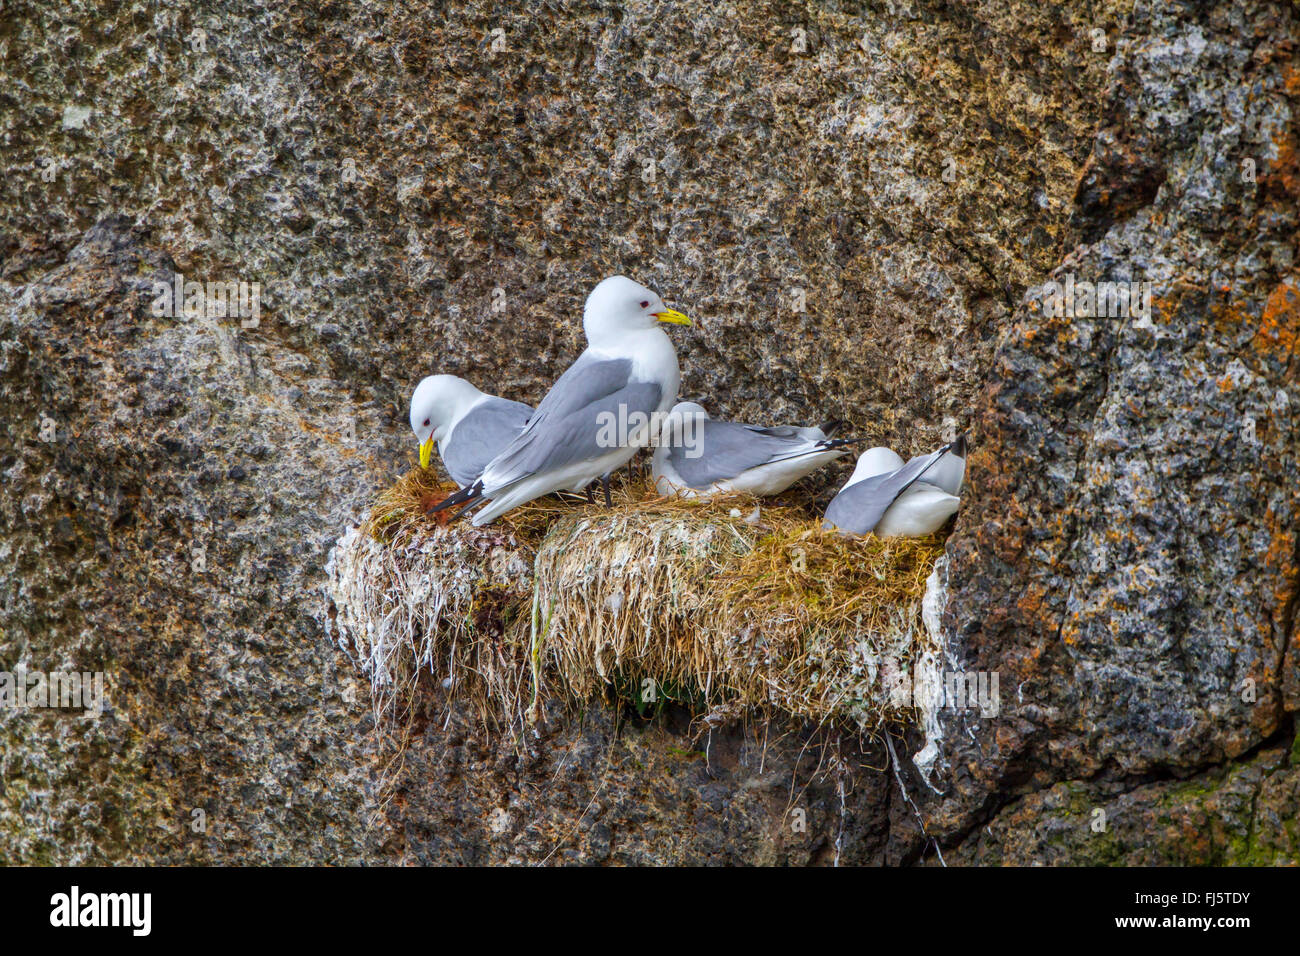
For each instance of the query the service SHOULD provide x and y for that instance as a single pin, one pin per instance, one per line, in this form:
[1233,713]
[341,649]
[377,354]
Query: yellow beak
[426,451]
[673,316]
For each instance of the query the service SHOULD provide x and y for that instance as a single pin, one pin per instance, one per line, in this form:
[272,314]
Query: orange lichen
[1285,170]
[1032,609]
[1280,324]
[1291,80]
[1281,557]
[1230,314]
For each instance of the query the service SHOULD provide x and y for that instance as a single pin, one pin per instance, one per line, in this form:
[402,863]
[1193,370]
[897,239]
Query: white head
[684,410]
[874,461]
[620,305]
[439,402]
[682,428]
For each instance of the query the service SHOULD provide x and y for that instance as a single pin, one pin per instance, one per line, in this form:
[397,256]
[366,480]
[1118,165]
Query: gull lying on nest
[470,427]
[698,456]
[597,414]
[888,497]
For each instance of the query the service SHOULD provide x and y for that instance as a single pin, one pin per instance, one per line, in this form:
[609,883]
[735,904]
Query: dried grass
[711,609]
[729,609]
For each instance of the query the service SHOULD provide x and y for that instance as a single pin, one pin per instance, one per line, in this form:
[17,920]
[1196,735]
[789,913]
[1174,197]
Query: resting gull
[598,413]
[470,427]
[699,456]
[888,497]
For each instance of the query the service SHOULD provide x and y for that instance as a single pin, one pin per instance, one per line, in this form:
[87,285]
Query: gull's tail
[949,468]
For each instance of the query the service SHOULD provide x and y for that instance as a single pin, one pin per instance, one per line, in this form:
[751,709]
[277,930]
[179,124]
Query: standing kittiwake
[598,413]
[698,456]
[469,426]
[890,498]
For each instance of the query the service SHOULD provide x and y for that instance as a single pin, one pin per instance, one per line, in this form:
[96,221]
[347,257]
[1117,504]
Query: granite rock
[859,203]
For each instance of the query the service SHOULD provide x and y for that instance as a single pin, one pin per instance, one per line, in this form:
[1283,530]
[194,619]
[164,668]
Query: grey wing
[792,432]
[585,381]
[481,435]
[859,507]
[777,431]
[726,449]
[567,425]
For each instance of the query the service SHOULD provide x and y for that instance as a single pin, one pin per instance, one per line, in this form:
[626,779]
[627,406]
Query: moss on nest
[736,605]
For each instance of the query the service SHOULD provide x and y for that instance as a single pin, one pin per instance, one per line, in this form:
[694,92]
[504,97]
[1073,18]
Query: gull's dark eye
[426,422]
[645,305]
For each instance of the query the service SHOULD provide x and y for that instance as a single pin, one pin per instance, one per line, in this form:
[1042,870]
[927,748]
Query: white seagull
[888,497]
[470,427]
[597,415]
[698,456]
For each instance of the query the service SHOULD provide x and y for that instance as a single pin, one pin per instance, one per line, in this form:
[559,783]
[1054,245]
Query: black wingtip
[467,509]
[831,426]
[471,493]
[958,447]
[832,443]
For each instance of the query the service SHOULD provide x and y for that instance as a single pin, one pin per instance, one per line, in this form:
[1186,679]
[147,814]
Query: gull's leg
[591,498]
[604,483]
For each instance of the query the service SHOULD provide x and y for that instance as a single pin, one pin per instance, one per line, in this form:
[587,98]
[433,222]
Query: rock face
[1131,566]
[860,207]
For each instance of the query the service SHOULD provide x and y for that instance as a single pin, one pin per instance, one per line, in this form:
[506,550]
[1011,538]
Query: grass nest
[730,605]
